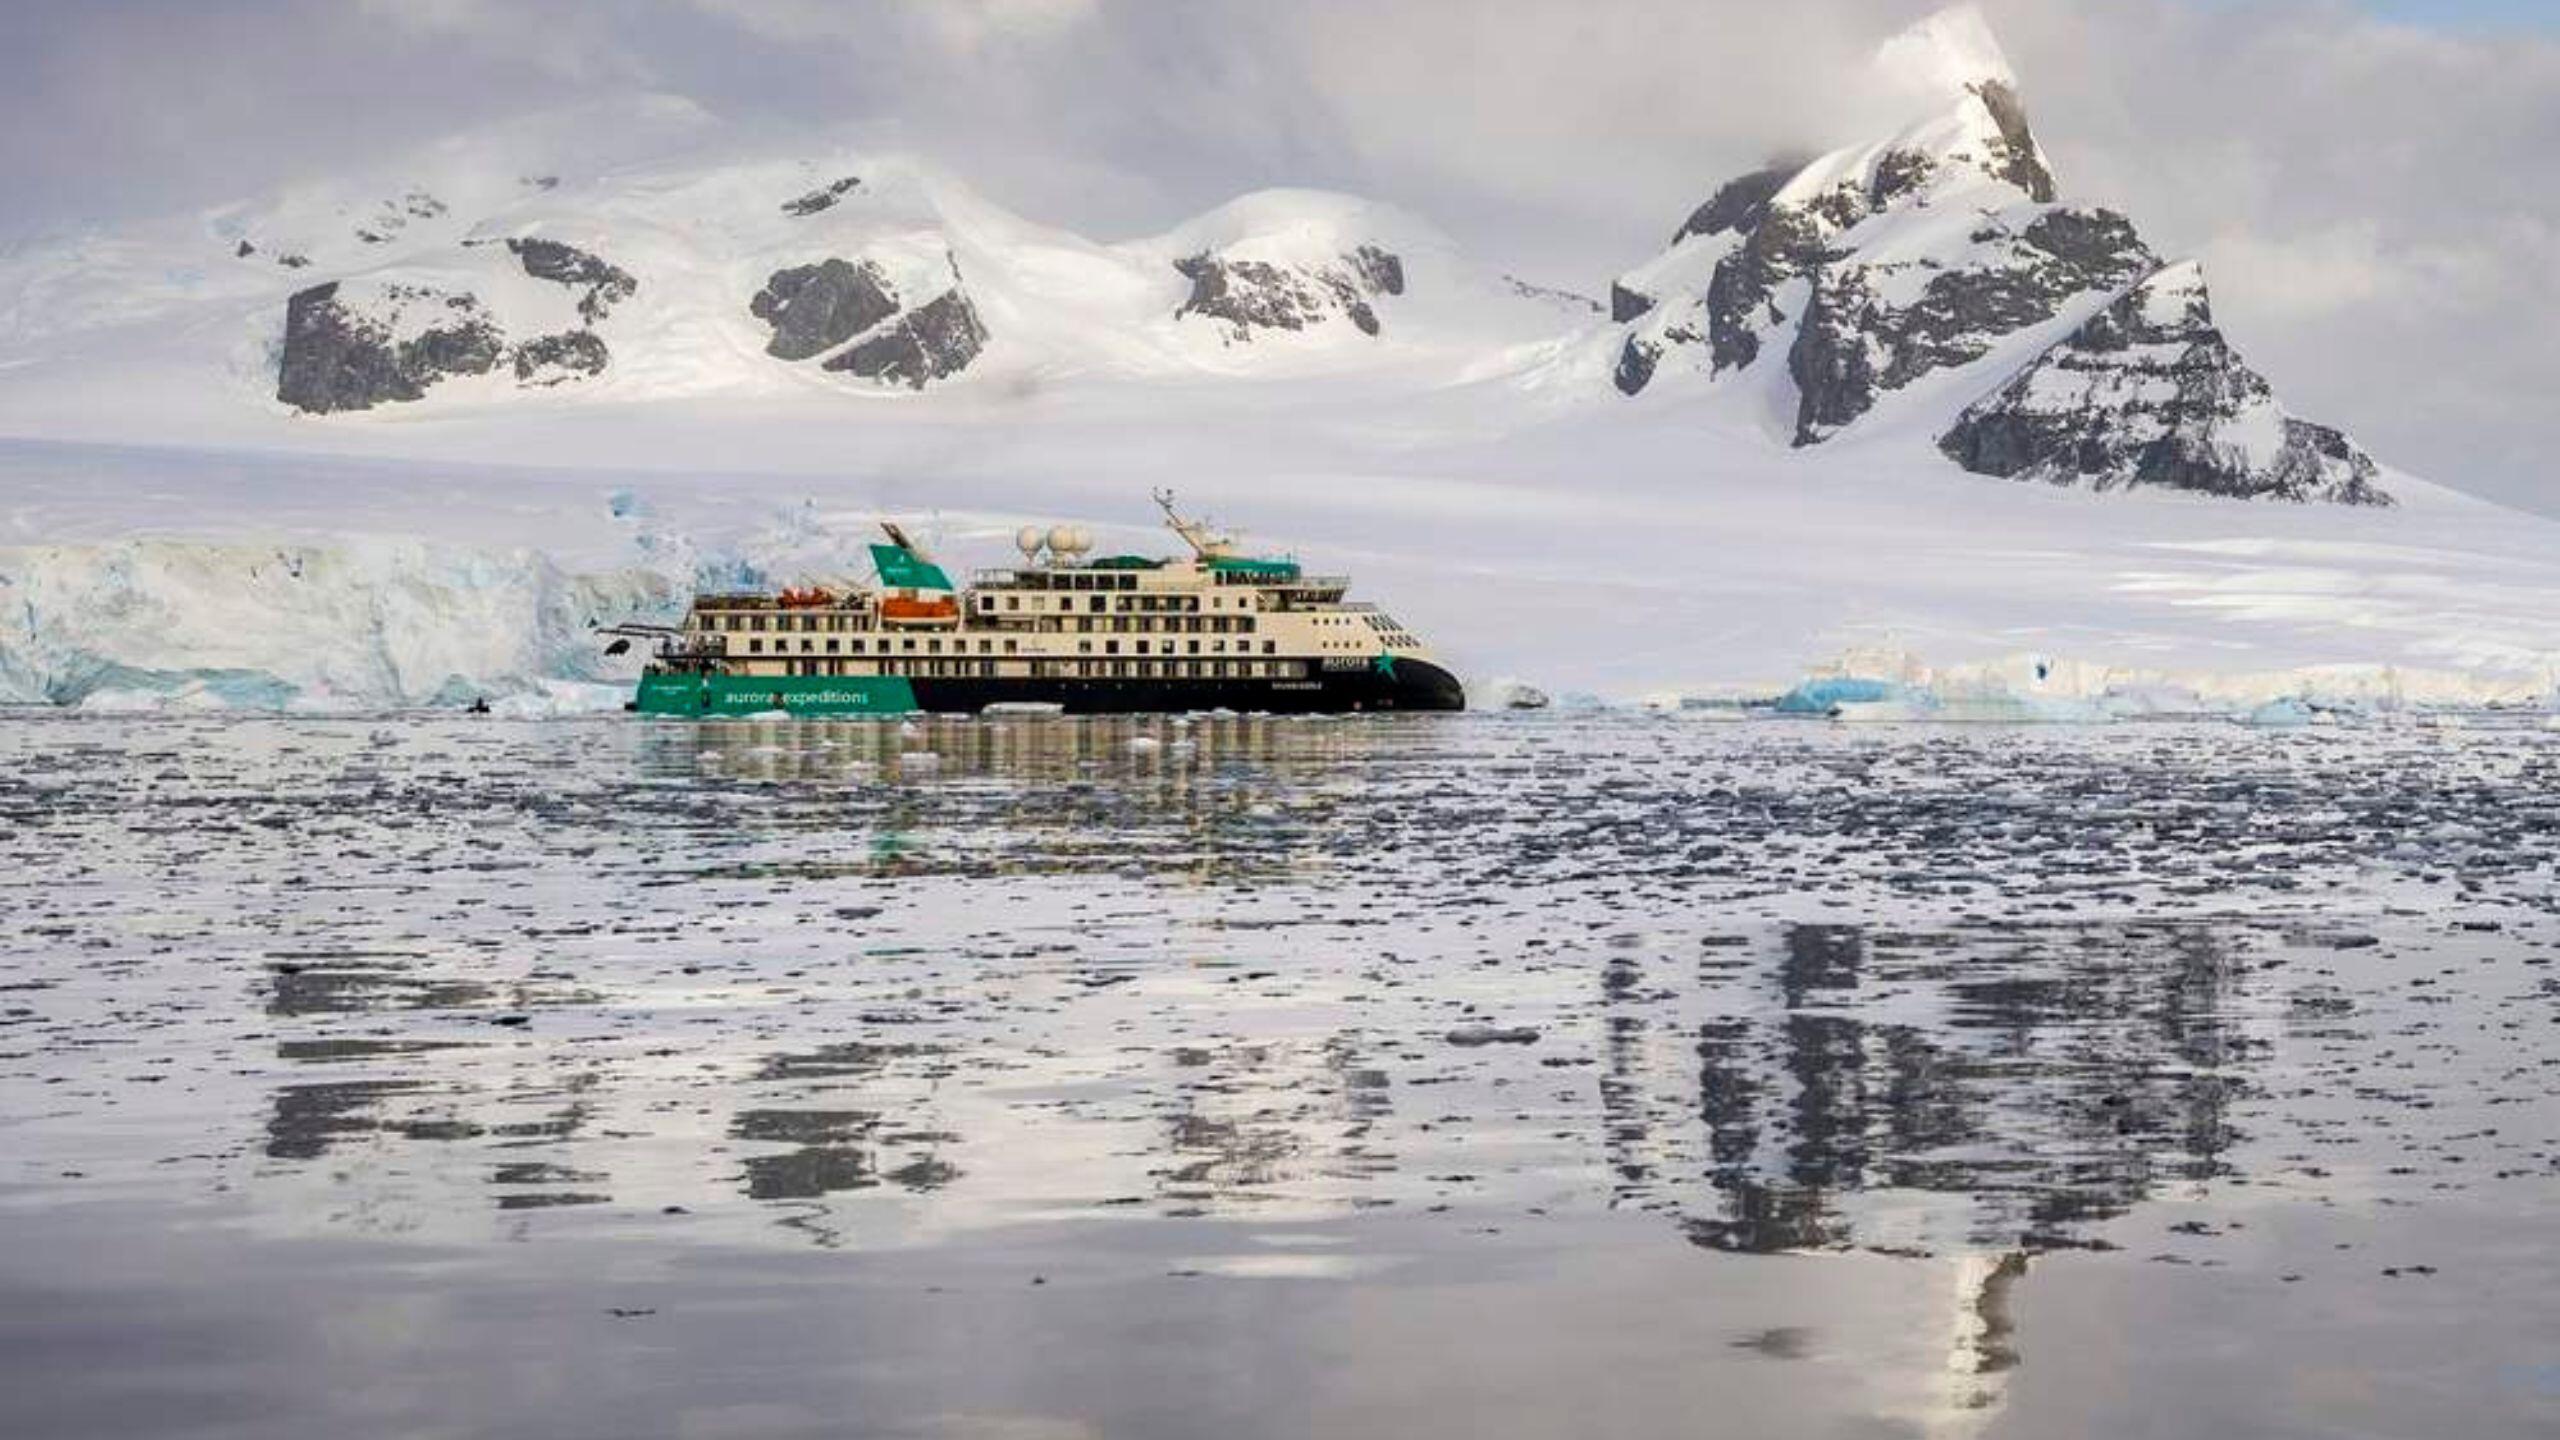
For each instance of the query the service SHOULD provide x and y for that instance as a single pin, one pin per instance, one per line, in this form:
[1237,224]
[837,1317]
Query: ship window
[835,647]
[1194,646]
[1009,647]
[1084,647]
[1013,602]
[1110,647]
[1270,647]
[755,647]
[910,645]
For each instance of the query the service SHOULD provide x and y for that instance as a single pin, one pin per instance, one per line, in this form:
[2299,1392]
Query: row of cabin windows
[1064,669]
[1147,624]
[1126,604]
[858,645]
[837,622]
[1083,580]
[1166,647]
[1085,625]
[910,645]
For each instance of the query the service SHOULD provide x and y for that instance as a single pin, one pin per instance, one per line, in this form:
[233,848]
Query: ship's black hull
[1412,685]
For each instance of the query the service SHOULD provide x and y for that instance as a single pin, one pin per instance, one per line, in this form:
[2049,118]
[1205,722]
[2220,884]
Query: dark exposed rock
[1568,298]
[569,355]
[1383,270]
[1834,359]
[1248,294]
[334,361]
[1785,244]
[929,343]
[1843,205]
[2321,462]
[824,197]
[814,308]
[468,348]
[1626,304]
[244,251]
[2148,392]
[2014,159]
[607,284]
[1258,294]
[1739,203]
[1899,173]
[1850,346]
[2097,243]
[1636,360]
[294,262]
[335,358]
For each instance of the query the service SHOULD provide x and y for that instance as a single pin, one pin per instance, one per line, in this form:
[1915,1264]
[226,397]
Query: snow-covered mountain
[1937,265]
[354,442]
[1932,278]
[740,275]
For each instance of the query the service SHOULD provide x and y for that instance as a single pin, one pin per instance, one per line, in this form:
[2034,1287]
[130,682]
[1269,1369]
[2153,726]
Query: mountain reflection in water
[1965,998]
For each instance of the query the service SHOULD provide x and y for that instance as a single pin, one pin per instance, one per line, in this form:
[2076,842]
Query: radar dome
[1027,540]
[1062,538]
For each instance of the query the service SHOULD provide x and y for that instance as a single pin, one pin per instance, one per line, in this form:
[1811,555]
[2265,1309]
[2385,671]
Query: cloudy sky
[2374,187]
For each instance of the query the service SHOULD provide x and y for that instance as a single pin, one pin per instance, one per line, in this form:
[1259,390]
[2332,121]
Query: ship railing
[694,647]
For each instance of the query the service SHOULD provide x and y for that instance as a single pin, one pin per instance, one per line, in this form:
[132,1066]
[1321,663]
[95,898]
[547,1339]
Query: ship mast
[1205,543]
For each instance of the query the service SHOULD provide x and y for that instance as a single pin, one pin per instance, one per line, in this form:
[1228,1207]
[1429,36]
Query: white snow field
[172,533]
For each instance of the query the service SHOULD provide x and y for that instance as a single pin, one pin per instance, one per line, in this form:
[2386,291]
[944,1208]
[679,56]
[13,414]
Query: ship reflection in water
[1312,1001]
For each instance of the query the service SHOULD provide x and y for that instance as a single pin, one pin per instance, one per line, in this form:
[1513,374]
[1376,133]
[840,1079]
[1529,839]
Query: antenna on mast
[1205,543]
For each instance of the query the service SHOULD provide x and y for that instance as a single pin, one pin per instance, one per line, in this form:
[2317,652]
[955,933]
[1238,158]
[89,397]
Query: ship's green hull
[698,695]
[1407,684]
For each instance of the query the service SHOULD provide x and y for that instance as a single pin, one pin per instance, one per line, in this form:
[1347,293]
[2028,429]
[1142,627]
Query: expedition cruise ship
[1111,634]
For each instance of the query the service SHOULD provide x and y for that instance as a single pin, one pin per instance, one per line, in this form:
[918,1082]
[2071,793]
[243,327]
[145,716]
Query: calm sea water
[1590,1076]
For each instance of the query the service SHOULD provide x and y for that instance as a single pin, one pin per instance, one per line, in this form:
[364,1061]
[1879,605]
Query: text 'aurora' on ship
[1083,634]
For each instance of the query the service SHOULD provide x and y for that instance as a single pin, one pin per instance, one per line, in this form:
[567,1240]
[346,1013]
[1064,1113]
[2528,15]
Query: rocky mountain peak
[1946,248]
[2148,392]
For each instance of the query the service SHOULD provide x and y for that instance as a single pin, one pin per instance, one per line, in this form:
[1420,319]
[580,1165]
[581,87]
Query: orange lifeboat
[904,607]
[809,599]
